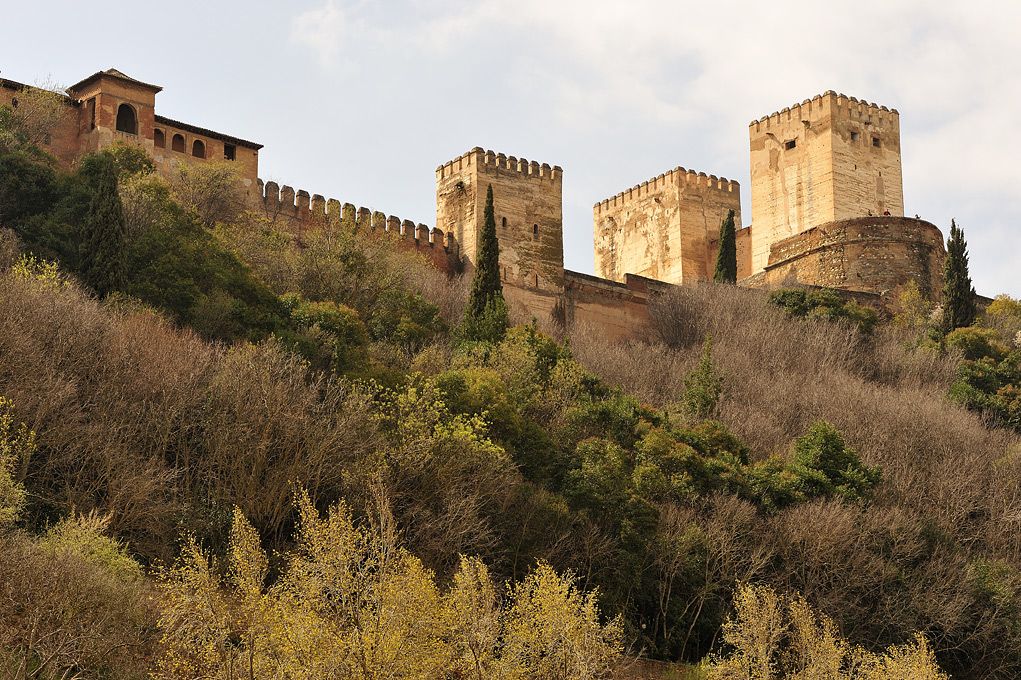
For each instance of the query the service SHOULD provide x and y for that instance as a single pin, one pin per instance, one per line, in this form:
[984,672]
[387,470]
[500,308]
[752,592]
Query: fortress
[827,207]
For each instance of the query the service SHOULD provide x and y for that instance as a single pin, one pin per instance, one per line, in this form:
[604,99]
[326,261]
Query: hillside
[231,368]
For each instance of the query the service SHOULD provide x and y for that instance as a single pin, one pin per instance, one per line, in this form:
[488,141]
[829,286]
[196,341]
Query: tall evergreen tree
[485,317]
[726,258]
[958,293]
[101,250]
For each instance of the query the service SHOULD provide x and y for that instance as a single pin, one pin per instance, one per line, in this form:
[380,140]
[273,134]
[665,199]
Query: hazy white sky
[360,100]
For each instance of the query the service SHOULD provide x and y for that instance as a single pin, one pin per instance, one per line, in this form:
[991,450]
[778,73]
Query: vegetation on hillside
[262,450]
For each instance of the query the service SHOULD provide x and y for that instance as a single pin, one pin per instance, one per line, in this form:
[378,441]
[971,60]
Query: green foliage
[702,387]
[343,337]
[485,317]
[828,467]
[824,303]
[958,294]
[405,319]
[86,536]
[976,343]
[102,249]
[726,257]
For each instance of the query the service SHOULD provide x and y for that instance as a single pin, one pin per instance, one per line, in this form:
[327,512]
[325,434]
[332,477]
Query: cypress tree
[726,258]
[485,317]
[958,293]
[101,250]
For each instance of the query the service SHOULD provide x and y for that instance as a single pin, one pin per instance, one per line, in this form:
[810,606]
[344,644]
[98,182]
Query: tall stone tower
[829,158]
[527,198]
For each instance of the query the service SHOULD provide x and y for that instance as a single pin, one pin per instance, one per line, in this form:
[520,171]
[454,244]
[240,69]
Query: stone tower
[829,158]
[666,228]
[528,201]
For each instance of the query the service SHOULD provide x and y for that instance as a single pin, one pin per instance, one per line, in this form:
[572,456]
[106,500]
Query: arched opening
[158,139]
[126,120]
[177,143]
[535,232]
[198,149]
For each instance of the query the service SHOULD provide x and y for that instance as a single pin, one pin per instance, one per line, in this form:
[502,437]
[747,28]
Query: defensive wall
[874,255]
[828,158]
[299,211]
[666,228]
[824,172]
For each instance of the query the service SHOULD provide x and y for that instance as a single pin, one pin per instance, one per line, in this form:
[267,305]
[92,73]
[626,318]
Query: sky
[361,100]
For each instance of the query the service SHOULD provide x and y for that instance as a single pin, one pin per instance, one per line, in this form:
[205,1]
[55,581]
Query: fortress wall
[527,199]
[662,228]
[617,311]
[816,162]
[297,212]
[874,255]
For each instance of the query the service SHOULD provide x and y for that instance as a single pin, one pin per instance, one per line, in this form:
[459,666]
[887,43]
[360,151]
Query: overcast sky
[360,100]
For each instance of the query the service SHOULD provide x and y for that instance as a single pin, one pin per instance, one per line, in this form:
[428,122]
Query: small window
[790,145]
[177,143]
[875,141]
[158,139]
[198,149]
[91,107]
[229,152]
[855,136]
[126,120]
[503,222]
[535,232]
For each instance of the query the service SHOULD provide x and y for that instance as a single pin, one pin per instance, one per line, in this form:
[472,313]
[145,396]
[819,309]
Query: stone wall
[299,211]
[527,198]
[874,255]
[664,228]
[829,158]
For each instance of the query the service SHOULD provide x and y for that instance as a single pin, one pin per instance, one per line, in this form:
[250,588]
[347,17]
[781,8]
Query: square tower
[527,198]
[115,108]
[829,158]
[665,228]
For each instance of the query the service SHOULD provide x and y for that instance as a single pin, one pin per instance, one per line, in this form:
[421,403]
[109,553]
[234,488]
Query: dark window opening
[790,145]
[158,139]
[536,280]
[855,136]
[535,232]
[504,222]
[875,141]
[229,152]
[177,143]
[198,149]
[14,103]
[91,106]
[126,120]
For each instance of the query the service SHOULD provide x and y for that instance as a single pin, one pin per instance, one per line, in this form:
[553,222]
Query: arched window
[535,232]
[158,139]
[177,143]
[126,120]
[198,149]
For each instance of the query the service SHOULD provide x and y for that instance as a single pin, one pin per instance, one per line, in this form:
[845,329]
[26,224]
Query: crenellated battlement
[487,161]
[306,210]
[678,177]
[829,103]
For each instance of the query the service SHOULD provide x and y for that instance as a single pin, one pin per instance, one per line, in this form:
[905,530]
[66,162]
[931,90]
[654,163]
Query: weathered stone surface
[665,228]
[828,158]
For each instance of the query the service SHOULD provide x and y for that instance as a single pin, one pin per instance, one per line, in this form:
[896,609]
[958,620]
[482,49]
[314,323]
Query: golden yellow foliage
[351,603]
[782,637]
